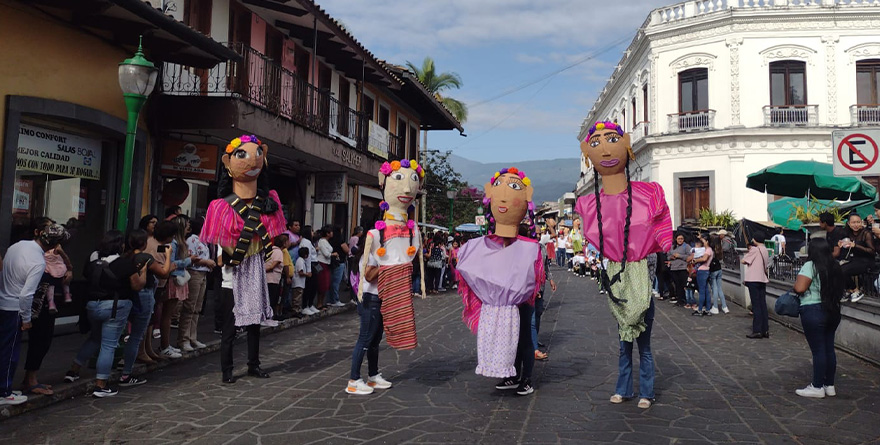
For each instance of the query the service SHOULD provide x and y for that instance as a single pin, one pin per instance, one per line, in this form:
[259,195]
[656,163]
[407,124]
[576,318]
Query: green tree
[437,83]
[440,177]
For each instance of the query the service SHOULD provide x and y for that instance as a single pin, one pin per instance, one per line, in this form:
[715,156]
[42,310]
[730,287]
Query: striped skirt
[397,309]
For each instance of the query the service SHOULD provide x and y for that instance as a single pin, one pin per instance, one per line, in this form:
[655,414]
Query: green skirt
[634,286]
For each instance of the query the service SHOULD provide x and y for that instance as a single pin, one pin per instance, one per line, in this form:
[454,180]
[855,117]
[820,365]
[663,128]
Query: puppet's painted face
[607,151]
[576,225]
[401,188]
[509,199]
[246,162]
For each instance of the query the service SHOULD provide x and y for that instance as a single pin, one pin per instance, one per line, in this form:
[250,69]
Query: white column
[830,42]
[733,44]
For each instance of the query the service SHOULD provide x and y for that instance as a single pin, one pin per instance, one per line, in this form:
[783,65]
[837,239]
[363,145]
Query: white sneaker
[725,310]
[830,391]
[358,387]
[170,353]
[811,391]
[314,310]
[157,333]
[197,344]
[308,311]
[377,382]
[14,399]
[186,347]
[713,311]
[856,296]
[339,304]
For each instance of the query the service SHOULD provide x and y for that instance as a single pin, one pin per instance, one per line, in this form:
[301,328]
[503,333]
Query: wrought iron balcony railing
[259,81]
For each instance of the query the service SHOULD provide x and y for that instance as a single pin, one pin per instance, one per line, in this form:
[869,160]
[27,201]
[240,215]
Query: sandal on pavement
[645,403]
[40,389]
[540,355]
[617,398]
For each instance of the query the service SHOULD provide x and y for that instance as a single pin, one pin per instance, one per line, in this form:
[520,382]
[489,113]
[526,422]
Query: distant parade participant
[395,242]
[499,278]
[243,221]
[628,221]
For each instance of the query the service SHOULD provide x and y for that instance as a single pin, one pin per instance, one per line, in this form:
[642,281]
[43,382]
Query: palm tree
[436,84]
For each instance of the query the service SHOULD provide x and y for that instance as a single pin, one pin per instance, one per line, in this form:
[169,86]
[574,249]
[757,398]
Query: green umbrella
[783,211]
[809,178]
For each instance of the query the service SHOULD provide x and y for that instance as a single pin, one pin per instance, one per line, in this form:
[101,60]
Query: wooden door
[694,196]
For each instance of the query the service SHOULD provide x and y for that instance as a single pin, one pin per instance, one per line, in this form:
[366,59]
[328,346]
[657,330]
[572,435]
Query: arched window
[693,90]
[788,83]
[868,81]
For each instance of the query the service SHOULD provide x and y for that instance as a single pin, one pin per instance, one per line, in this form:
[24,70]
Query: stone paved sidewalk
[713,386]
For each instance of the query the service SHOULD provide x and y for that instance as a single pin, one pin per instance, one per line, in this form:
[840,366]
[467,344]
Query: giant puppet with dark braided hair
[629,221]
[393,244]
[498,278]
[242,221]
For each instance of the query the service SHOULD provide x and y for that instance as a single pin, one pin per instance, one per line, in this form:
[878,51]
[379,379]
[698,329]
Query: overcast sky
[497,46]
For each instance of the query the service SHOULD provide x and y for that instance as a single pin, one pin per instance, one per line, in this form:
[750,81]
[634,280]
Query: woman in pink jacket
[756,279]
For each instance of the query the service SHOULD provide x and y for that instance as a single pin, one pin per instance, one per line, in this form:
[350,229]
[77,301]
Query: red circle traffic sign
[851,148]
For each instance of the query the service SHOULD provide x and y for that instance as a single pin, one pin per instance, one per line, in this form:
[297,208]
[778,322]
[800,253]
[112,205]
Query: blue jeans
[560,256]
[689,294]
[369,336]
[703,288]
[335,281]
[417,281]
[139,324]
[819,328]
[104,335]
[10,348]
[536,320]
[646,363]
[717,290]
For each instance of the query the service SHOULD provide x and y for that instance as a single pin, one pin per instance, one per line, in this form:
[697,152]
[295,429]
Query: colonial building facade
[713,90]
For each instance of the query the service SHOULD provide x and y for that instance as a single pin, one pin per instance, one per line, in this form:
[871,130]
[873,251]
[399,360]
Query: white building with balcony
[712,90]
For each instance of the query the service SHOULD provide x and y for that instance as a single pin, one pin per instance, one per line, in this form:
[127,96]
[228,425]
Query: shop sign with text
[189,160]
[378,141]
[56,153]
[330,187]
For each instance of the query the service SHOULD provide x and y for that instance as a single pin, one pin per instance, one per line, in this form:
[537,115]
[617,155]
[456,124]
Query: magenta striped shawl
[223,225]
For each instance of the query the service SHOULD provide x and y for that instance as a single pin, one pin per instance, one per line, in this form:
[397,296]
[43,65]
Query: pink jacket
[756,260]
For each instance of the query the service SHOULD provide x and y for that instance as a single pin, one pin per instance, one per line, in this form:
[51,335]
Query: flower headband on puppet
[388,168]
[602,125]
[243,139]
[527,182]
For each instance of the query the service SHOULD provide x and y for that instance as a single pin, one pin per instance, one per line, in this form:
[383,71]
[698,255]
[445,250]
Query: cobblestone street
[713,385]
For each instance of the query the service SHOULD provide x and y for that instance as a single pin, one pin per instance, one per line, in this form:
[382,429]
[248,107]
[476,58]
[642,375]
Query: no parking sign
[856,152]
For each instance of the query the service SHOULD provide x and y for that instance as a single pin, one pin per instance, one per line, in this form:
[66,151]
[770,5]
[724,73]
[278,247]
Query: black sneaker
[104,392]
[508,383]
[525,388]
[71,377]
[707,314]
[697,313]
[131,381]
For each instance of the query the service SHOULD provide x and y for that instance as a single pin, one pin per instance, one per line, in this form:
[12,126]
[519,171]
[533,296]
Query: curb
[65,391]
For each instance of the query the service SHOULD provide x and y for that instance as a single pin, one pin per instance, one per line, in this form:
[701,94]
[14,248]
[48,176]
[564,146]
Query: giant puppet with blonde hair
[628,221]
[394,243]
[499,276]
[242,221]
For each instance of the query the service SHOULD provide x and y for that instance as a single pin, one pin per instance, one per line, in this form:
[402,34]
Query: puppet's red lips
[609,163]
[502,209]
[405,199]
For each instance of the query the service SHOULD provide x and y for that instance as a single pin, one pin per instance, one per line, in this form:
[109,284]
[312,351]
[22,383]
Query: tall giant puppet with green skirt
[628,221]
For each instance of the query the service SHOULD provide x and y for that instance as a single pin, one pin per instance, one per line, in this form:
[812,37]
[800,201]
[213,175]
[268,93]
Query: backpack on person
[103,284]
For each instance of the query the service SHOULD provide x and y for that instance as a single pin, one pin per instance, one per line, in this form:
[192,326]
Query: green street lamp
[451,195]
[137,78]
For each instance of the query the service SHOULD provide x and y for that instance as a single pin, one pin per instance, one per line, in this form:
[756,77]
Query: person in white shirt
[560,247]
[23,268]
[779,239]
[302,269]
[370,311]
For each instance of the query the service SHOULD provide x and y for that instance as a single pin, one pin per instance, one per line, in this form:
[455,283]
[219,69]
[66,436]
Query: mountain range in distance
[551,178]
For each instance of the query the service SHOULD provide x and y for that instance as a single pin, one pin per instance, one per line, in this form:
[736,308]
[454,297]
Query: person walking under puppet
[628,220]
[499,277]
[394,243]
[243,222]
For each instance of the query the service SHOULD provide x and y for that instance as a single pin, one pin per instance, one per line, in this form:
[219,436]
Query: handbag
[788,304]
[181,280]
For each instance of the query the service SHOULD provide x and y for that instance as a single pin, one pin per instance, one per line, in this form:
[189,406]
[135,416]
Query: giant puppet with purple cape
[499,272]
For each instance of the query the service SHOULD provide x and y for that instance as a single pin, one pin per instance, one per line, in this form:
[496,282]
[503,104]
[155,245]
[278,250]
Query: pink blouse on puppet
[223,226]
[650,224]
